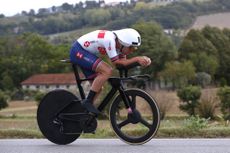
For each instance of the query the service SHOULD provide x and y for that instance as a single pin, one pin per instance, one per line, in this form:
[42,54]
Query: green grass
[27,128]
[217,132]
[19,133]
[19,121]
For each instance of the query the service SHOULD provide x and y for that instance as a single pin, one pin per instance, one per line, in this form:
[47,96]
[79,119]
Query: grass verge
[211,132]
[19,133]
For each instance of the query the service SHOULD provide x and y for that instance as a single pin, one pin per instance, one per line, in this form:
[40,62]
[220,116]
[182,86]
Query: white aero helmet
[128,37]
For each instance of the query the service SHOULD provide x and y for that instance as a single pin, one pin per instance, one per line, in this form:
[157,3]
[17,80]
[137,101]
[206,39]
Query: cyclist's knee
[109,72]
[105,69]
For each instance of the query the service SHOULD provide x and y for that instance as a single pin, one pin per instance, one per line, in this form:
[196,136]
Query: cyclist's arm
[125,62]
[142,60]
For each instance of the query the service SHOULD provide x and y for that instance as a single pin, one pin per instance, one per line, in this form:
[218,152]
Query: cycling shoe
[89,106]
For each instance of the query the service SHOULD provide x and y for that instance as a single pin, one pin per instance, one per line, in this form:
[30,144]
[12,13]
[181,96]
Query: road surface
[116,146]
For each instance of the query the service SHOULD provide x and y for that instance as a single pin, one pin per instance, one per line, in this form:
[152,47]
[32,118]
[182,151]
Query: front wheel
[140,125]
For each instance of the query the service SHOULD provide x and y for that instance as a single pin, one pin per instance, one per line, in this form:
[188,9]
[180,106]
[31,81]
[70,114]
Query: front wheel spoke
[144,122]
[123,123]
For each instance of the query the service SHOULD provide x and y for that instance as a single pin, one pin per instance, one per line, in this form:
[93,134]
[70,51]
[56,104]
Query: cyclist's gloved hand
[144,60]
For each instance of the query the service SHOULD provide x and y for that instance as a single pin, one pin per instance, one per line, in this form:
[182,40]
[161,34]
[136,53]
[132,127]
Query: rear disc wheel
[47,120]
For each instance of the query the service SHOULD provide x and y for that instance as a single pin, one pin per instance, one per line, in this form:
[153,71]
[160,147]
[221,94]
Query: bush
[196,123]
[207,107]
[224,95]
[189,97]
[17,94]
[3,101]
[209,104]
[38,96]
[29,95]
[164,102]
[223,82]
[203,79]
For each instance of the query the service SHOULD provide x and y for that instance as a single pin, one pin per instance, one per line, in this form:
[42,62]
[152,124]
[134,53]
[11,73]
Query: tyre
[47,112]
[139,126]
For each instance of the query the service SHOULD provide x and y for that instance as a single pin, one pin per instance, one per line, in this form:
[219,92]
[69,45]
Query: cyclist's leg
[84,59]
[104,71]
[98,93]
[92,67]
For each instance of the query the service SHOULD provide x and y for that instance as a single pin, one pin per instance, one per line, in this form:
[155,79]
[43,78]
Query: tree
[156,45]
[54,9]
[3,100]
[31,13]
[67,7]
[224,94]
[203,54]
[116,12]
[222,44]
[91,4]
[2,15]
[24,13]
[226,32]
[97,16]
[141,6]
[36,52]
[30,54]
[203,79]
[189,96]
[42,12]
[7,81]
[178,73]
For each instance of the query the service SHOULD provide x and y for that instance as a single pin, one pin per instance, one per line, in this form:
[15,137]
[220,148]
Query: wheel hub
[134,117]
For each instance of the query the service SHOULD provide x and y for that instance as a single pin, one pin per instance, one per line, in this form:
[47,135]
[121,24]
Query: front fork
[126,99]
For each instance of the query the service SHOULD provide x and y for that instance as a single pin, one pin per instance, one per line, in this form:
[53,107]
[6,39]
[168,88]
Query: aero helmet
[128,37]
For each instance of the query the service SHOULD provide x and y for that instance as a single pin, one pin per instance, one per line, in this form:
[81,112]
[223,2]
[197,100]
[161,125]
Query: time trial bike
[134,114]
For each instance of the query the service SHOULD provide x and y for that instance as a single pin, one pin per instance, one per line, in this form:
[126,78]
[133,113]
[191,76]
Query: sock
[91,95]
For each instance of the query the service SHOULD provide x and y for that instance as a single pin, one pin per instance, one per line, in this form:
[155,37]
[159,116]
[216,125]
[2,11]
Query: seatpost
[78,80]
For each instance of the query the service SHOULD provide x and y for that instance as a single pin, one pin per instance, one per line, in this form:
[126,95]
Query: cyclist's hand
[144,61]
[148,60]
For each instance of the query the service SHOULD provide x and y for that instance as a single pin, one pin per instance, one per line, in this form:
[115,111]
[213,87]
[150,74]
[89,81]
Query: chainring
[90,125]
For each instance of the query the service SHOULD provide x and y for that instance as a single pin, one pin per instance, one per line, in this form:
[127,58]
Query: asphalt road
[116,146]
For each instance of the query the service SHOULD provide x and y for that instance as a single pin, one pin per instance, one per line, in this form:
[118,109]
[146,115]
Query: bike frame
[115,82]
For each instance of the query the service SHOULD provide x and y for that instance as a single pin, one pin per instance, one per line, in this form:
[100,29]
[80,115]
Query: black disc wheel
[47,112]
[139,125]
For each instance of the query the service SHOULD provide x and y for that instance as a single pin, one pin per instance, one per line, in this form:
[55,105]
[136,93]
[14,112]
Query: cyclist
[116,45]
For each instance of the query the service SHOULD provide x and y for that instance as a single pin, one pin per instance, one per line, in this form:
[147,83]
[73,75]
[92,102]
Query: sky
[12,7]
